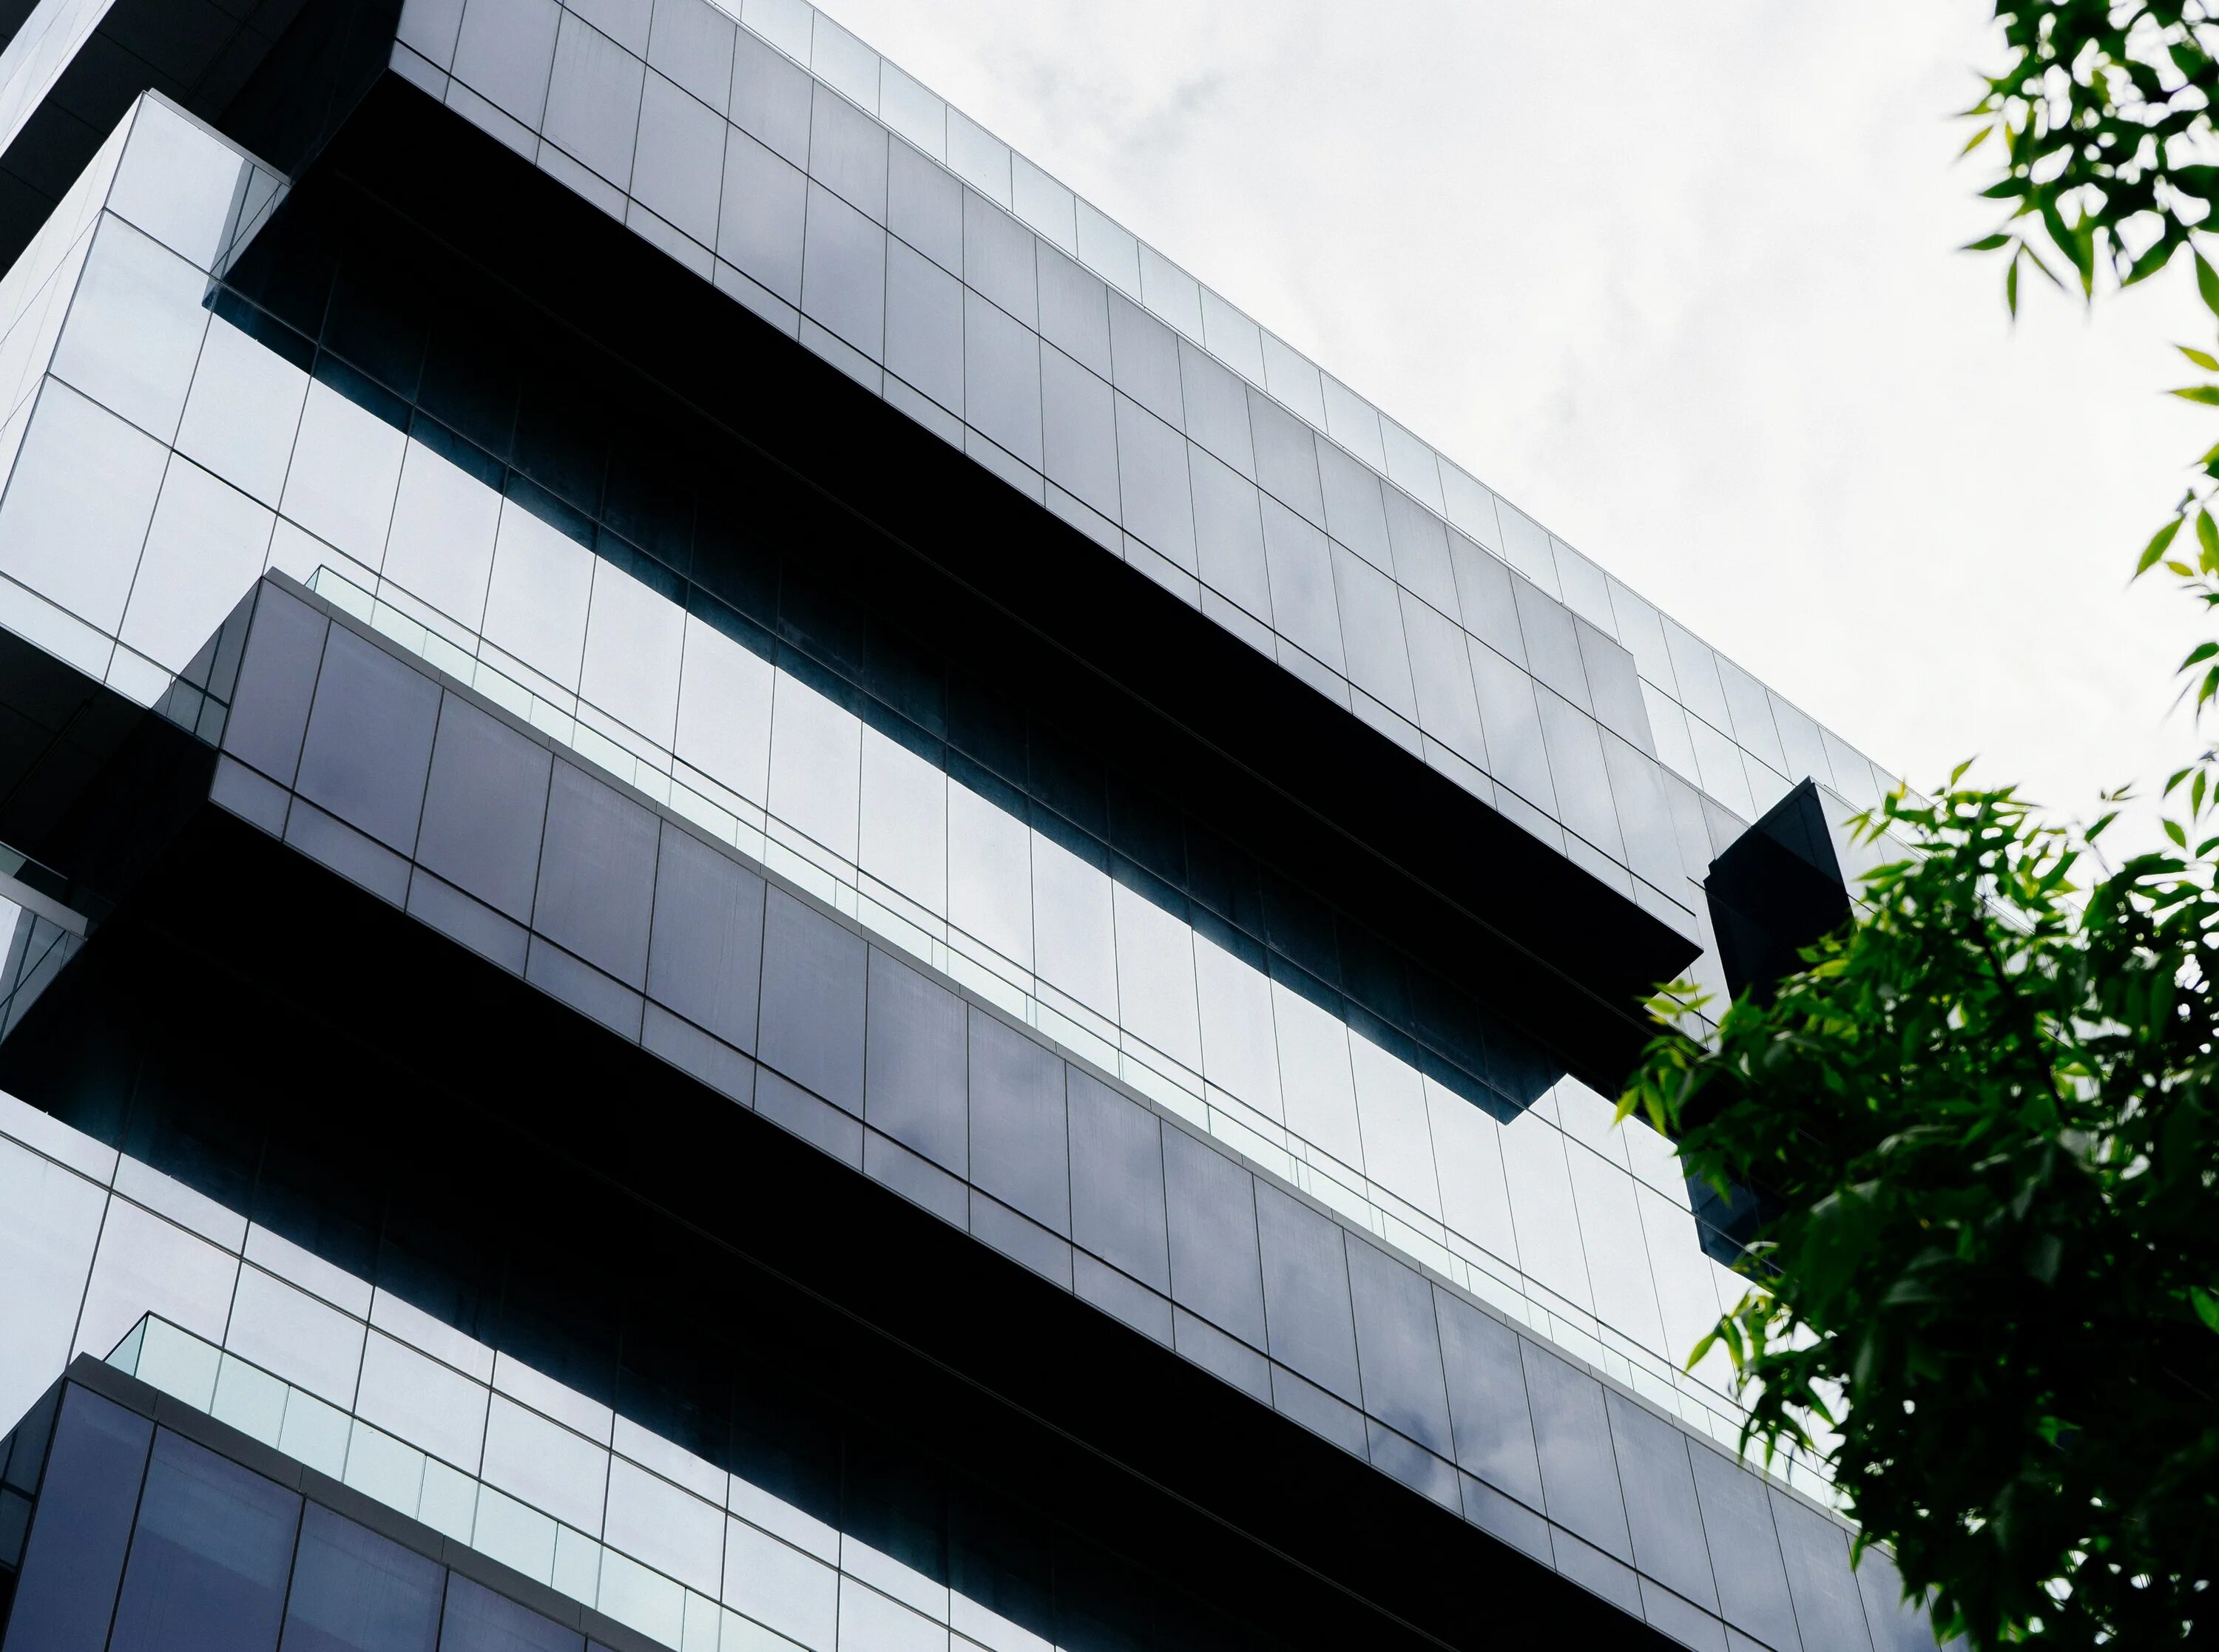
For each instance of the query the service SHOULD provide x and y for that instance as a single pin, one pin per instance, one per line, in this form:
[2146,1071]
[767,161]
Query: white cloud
[1679,281]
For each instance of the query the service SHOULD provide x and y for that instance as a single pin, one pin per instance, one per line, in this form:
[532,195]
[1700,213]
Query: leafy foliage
[1988,1111]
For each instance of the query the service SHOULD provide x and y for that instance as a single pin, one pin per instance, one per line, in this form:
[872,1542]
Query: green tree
[1986,1111]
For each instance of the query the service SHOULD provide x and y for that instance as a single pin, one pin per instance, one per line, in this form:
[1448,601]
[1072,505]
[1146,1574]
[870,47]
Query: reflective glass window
[1286,457]
[759,224]
[989,874]
[1579,1473]
[1487,1399]
[1660,1501]
[903,835]
[276,677]
[1420,546]
[1397,1347]
[691,41]
[1210,1206]
[1240,1045]
[635,636]
[924,326]
[1302,603]
[1228,535]
[536,601]
[1371,632]
[778,1586]
[210,1557]
[1353,514]
[1152,469]
[242,412]
[1354,422]
[135,328]
[848,153]
[354,1591]
[1117,1200]
[368,744]
[1542,1208]
[1078,431]
[1001,379]
[915,1080]
[998,260]
[1313,1076]
[596,888]
[1155,977]
[1800,742]
[441,545]
[1897,1624]
[478,1620]
[66,1588]
[1468,1155]
[1613,685]
[924,207]
[1695,670]
[816,765]
[771,97]
[1306,1292]
[1829,1614]
[679,172]
[1398,1144]
[1552,646]
[724,710]
[843,275]
[204,549]
[1294,379]
[1074,311]
[1745,1549]
[1233,336]
[1216,409]
[1074,931]
[504,51]
[1638,789]
[1483,594]
[78,505]
[1718,764]
[1440,671]
[1751,708]
[1019,1150]
[592,99]
[704,956]
[1512,721]
[813,985]
[1145,355]
[1583,781]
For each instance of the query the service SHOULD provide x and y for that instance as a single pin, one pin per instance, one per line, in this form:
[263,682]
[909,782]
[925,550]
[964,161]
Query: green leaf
[2206,393]
[2203,358]
[2206,1306]
[2173,831]
[1976,140]
[1986,243]
[2202,651]
[2206,283]
[2159,542]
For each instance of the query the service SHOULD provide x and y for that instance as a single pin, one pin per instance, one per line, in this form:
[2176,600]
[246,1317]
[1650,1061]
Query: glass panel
[1353,513]
[843,275]
[441,547]
[1001,379]
[989,874]
[244,409]
[998,260]
[1078,431]
[1660,1501]
[813,983]
[81,1526]
[368,745]
[679,172]
[1216,404]
[1745,1551]
[1583,782]
[1354,422]
[135,328]
[1314,1076]
[1286,458]
[705,957]
[635,639]
[1019,1151]
[1487,1397]
[924,326]
[209,1560]
[1117,1203]
[1695,670]
[1228,533]
[1239,1047]
[354,1591]
[1440,668]
[924,207]
[478,1620]
[1398,1144]
[914,1080]
[1210,1204]
[205,548]
[1074,311]
[692,42]
[592,99]
[816,765]
[1399,1348]
[1302,601]
[1483,593]
[1146,356]
[904,839]
[1306,1292]
[596,890]
[1512,723]
[1155,977]
[536,605]
[1152,469]
[1074,931]
[1541,1206]
[78,505]
[848,153]
[505,52]
[1578,1471]
[1828,1612]
[1372,633]
[759,228]
[724,710]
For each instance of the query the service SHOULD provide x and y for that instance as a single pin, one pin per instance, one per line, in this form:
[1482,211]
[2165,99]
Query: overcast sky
[1678,280]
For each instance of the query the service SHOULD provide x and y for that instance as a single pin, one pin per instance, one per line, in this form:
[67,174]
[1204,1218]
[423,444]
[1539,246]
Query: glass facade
[523,661]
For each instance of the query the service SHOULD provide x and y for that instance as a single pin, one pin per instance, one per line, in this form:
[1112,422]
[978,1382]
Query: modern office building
[762,896]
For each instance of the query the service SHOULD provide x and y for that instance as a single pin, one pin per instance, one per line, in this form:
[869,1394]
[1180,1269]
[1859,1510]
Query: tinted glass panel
[1744,1552]
[1400,1351]
[478,1620]
[597,874]
[1210,1204]
[275,681]
[998,258]
[914,1085]
[812,1001]
[354,1591]
[484,807]
[209,1560]
[1117,1199]
[1074,311]
[1660,1501]
[81,1527]
[1306,1292]
[706,956]
[1352,510]
[1578,1472]
[1487,1397]
[1828,1612]
[1286,457]
[1018,1151]
[1228,535]
[1144,353]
